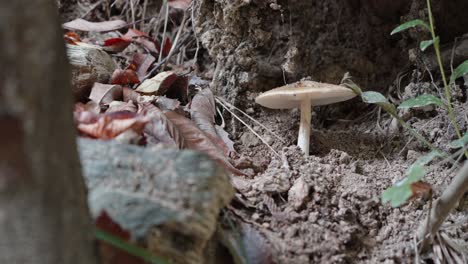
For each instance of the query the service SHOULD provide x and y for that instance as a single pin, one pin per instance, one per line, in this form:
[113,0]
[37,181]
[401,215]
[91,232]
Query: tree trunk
[43,212]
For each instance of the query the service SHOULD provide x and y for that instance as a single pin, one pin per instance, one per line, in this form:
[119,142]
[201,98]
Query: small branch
[442,207]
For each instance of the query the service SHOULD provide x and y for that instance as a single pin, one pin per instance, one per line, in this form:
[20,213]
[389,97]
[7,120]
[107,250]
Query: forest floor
[326,208]
[342,219]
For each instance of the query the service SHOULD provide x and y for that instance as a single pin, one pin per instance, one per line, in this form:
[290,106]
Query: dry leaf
[124,77]
[71,38]
[109,126]
[179,89]
[84,25]
[180,4]
[130,95]
[116,44]
[157,85]
[202,112]
[104,94]
[143,63]
[117,106]
[167,104]
[160,130]
[420,189]
[143,39]
[196,139]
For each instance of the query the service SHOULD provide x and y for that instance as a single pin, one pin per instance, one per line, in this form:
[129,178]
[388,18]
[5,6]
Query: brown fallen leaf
[115,44]
[158,85]
[104,94]
[143,39]
[196,139]
[180,4]
[71,38]
[420,189]
[111,125]
[179,89]
[124,77]
[167,104]
[160,130]
[202,112]
[143,62]
[86,113]
[117,106]
[130,95]
[84,25]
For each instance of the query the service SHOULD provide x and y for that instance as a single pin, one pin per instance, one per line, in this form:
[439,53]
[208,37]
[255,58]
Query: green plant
[402,191]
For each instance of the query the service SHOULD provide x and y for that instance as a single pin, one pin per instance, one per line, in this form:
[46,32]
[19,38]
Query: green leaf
[422,100]
[127,247]
[459,143]
[401,191]
[410,24]
[377,98]
[461,70]
[397,195]
[427,43]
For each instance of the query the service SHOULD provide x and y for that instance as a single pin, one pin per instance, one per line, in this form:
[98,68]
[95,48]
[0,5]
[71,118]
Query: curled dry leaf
[124,77]
[109,126]
[143,62]
[84,25]
[130,95]
[202,112]
[116,44]
[159,84]
[180,4]
[86,113]
[196,139]
[117,106]
[179,89]
[104,94]
[160,130]
[142,39]
[420,189]
[167,104]
[71,38]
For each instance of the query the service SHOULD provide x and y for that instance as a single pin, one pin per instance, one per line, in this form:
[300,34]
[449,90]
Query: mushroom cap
[291,95]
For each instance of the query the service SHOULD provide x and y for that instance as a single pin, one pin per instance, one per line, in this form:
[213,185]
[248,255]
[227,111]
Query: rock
[298,193]
[168,199]
[248,139]
[88,65]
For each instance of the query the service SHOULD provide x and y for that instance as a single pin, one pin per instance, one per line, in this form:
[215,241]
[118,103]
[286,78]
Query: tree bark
[43,211]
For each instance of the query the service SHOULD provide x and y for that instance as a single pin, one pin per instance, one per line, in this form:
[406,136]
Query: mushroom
[304,94]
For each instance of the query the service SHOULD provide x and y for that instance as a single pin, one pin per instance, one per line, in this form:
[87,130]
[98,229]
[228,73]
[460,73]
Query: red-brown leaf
[179,89]
[104,94]
[167,47]
[143,39]
[159,84]
[116,44]
[420,189]
[84,25]
[108,253]
[124,77]
[130,95]
[160,130]
[71,38]
[111,125]
[143,62]
[202,112]
[196,139]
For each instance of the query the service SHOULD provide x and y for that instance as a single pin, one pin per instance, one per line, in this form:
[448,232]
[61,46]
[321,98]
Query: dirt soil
[326,208]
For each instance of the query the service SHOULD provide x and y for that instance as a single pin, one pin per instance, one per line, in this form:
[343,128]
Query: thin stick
[142,24]
[442,207]
[249,127]
[179,32]
[163,40]
[132,8]
[253,119]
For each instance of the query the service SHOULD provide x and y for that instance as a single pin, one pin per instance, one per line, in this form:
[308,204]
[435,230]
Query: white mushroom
[304,94]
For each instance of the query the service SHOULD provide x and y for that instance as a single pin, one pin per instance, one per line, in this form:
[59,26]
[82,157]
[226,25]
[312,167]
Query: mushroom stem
[304,126]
